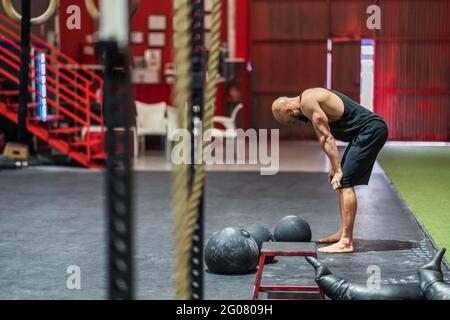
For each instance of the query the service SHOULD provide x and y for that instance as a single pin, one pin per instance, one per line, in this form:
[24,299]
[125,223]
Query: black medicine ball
[292,229]
[231,251]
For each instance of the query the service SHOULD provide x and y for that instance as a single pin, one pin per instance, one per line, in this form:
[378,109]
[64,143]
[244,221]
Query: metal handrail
[84,83]
[55,50]
[49,67]
[86,111]
[50,101]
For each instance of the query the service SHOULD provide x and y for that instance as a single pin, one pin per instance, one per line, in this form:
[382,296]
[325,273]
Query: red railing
[72,86]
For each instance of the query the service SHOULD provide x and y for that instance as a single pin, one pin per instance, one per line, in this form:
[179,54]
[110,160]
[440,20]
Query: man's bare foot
[333,238]
[343,246]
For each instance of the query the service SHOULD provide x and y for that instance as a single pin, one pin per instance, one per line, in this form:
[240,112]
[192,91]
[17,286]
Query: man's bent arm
[327,142]
[319,120]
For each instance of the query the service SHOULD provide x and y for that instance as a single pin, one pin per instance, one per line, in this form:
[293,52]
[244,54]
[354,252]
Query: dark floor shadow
[363,245]
[230,275]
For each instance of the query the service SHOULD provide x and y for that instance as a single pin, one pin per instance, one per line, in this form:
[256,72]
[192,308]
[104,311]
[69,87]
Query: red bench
[292,249]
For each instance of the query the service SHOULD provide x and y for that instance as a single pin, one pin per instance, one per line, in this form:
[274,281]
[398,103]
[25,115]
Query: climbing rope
[186,212]
[182,52]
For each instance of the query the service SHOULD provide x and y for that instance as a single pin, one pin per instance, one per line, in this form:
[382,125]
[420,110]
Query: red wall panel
[414,18]
[288,19]
[288,56]
[415,117]
[412,88]
[72,40]
[139,23]
[348,18]
[412,73]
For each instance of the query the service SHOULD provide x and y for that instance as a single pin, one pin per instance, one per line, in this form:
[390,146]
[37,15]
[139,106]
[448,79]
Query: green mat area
[422,177]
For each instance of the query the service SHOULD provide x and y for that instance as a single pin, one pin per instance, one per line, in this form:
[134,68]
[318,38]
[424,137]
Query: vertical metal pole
[117,101]
[117,105]
[197,106]
[24,70]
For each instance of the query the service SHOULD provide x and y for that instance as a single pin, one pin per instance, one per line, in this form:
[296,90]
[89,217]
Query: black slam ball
[231,251]
[259,233]
[292,229]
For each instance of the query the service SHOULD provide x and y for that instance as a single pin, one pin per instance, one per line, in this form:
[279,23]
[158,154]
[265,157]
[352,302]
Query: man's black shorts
[361,154]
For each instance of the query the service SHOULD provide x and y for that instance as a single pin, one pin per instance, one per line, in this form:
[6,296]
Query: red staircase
[73,126]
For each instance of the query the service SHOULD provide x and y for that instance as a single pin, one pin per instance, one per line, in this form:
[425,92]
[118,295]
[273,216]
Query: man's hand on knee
[336,180]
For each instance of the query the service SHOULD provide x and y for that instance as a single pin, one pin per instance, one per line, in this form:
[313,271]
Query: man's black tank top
[353,121]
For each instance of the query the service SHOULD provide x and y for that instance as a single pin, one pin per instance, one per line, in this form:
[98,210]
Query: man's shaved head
[279,108]
[287,110]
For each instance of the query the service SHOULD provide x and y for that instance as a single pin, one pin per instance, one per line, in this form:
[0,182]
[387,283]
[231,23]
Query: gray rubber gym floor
[50,220]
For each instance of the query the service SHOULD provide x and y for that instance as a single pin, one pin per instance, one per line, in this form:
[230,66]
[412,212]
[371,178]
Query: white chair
[150,120]
[227,123]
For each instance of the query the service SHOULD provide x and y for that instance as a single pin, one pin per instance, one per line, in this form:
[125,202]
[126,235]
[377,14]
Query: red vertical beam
[375,72]
[224,31]
[243,52]
[242,22]
[221,88]
[242,28]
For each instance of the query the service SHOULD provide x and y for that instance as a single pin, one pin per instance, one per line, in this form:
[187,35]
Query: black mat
[50,220]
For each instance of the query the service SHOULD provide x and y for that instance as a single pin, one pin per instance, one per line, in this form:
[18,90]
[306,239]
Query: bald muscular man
[335,116]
